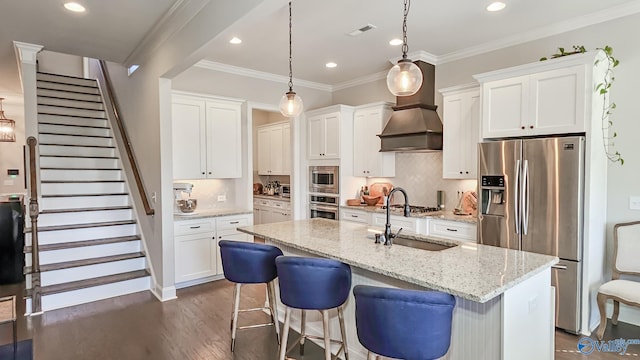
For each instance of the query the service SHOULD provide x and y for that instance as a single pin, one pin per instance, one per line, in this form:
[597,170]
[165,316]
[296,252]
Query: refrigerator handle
[525,198]
[516,202]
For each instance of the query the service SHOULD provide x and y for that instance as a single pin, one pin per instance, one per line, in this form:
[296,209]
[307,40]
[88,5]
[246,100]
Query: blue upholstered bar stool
[250,263]
[313,284]
[403,324]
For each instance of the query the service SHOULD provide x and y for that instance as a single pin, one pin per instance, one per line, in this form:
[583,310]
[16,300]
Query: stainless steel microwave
[324,179]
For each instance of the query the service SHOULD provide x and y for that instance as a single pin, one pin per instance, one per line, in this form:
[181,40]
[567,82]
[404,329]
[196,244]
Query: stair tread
[82,284]
[63,98]
[73,125]
[75,116]
[76,244]
[110,208]
[91,146]
[65,168]
[80,157]
[84,226]
[70,107]
[86,262]
[76,135]
[77,195]
[64,76]
[80,181]
[65,83]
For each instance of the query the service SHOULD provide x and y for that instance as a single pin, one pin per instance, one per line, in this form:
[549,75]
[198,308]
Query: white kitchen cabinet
[461,121]
[206,138]
[324,136]
[413,224]
[358,216]
[197,255]
[272,210]
[544,102]
[368,122]
[452,230]
[274,149]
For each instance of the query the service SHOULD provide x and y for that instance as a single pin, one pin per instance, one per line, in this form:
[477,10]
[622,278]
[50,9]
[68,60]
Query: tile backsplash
[420,174]
[207,191]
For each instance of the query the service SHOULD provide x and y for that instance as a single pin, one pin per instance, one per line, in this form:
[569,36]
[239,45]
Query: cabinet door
[332,136]
[189,138]
[406,223]
[286,149]
[505,106]
[454,139]
[452,230]
[354,216]
[558,101]
[228,235]
[224,144]
[257,215]
[195,256]
[316,137]
[276,150]
[367,158]
[264,151]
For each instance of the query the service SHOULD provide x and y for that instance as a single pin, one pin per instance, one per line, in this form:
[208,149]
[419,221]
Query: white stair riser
[83,202]
[82,188]
[63,236]
[90,271]
[65,79]
[78,163]
[67,87]
[74,130]
[68,95]
[74,140]
[67,111]
[80,175]
[70,120]
[82,296]
[74,150]
[88,252]
[84,217]
[80,104]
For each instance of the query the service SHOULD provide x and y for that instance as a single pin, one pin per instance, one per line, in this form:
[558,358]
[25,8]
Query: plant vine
[602,88]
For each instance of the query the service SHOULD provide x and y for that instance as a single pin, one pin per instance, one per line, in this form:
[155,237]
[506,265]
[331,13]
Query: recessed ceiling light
[331,65]
[74,6]
[395,42]
[235,41]
[496,6]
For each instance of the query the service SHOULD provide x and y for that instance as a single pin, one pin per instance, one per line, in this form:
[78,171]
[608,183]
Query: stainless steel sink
[423,245]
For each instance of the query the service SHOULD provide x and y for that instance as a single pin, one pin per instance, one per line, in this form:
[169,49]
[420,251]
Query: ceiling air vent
[361,30]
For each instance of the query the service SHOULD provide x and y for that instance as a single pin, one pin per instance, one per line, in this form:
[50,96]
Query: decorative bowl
[353,202]
[371,200]
[188,205]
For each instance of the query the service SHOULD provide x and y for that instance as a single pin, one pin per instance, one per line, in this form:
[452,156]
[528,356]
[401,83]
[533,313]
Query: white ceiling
[446,29]
[112,29]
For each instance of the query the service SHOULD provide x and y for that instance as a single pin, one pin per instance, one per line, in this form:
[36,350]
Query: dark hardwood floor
[195,326]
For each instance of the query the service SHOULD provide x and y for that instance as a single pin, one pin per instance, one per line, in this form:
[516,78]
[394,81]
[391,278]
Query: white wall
[61,64]
[11,153]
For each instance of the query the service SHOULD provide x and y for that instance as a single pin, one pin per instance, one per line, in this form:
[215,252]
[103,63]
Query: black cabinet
[11,240]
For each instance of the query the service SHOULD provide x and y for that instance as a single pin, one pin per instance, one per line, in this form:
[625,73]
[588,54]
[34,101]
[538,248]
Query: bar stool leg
[371,356]
[303,323]
[15,337]
[285,333]
[343,331]
[233,307]
[327,334]
[236,308]
[273,306]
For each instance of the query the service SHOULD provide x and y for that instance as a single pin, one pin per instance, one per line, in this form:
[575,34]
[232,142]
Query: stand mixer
[183,204]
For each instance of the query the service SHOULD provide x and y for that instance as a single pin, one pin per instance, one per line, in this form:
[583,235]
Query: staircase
[90,247]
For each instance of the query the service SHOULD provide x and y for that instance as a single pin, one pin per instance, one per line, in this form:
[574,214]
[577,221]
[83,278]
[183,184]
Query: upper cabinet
[274,149]
[368,122]
[206,138]
[461,122]
[543,98]
[324,135]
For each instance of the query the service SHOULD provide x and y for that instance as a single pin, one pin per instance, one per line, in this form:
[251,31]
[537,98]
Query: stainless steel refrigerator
[531,198]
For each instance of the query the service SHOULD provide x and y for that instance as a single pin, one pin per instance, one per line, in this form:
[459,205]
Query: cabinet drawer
[231,222]
[452,229]
[406,223]
[193,226]
[355,216]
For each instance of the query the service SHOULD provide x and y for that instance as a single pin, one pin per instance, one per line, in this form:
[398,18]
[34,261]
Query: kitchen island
[504,299]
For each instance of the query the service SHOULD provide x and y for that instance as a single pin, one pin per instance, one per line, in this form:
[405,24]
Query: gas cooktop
[414,209]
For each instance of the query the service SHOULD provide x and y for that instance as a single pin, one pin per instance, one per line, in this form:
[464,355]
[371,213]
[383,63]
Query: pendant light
[291,103]
[7,127]
[405,77]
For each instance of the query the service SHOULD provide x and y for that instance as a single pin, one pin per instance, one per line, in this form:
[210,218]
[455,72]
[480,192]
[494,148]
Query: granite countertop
[272,197]
[445,215]
[470,271]
[206,213]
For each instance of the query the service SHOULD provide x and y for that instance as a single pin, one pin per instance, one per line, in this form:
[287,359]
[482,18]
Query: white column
[26,54]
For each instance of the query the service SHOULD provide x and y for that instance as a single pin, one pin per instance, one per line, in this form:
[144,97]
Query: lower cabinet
[197,255]
[358,216]
[416,225]
[266,211]
[452,230]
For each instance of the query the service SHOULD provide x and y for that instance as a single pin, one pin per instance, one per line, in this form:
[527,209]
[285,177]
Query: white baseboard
[199,281]
[164,293]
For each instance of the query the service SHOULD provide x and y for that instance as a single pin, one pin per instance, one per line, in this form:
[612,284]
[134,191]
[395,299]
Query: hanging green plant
[603,88]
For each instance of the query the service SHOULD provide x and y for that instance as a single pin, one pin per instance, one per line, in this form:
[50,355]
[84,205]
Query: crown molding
[236,70]
[543,32]
[360,81]
[419,55]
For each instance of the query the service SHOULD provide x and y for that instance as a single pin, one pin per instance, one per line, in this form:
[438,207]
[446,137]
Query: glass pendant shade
[404,78]
[7,127]
[290,104]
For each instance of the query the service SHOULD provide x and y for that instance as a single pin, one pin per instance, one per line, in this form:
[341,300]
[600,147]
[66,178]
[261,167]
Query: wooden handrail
[125,139]
[34,211]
